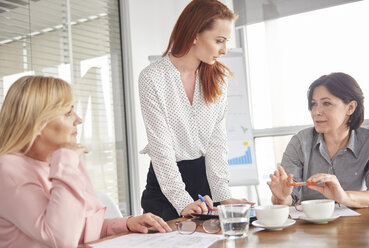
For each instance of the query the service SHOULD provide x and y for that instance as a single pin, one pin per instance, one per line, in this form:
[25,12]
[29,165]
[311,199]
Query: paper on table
[162,240]
[340,210]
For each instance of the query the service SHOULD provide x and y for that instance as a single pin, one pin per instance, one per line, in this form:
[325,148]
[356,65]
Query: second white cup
[318,209]
[272,215]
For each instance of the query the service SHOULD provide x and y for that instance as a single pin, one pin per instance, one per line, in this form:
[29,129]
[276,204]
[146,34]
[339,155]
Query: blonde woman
[47,199]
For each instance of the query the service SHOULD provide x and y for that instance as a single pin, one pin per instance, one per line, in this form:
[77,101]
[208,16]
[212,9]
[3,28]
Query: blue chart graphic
[245,159]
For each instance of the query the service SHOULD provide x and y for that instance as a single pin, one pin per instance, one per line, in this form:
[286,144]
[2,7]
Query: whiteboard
[241,156]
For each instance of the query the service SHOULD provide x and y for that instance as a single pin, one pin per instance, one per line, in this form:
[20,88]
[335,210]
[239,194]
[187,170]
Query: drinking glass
[234,219]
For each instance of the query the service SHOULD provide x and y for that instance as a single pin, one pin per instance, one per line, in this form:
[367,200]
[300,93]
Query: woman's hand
[331,189]
[142,222]
[78,148]
[198,207]
[236,201]
[279,185]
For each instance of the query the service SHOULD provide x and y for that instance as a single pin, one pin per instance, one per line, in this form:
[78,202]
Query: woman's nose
[223,50]
[317,110]
[78,120]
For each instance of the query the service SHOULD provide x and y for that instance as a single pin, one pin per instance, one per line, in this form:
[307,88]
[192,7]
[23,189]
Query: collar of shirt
[350,145]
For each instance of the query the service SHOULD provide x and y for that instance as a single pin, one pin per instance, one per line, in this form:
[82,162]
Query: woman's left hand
[331,189]
[143,222]
[236,201]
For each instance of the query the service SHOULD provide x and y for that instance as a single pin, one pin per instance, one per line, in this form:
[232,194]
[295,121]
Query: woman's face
[209,45]
[329,113]
[61,130]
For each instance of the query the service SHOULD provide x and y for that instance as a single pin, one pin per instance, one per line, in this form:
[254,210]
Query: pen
[302,183]
[203,200]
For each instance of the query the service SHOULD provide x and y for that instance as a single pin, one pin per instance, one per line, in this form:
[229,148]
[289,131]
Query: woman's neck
[40,153]
[187,64]
[335,141]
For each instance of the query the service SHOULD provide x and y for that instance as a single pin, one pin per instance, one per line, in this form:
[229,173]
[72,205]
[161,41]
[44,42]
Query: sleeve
[216,158]
[114,226]
[161,147]
[56,220]
[292,162]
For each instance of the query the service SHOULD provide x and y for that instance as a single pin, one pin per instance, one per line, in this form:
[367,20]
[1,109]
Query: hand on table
[143,222]
[279,185]
[331,189]
[198,207]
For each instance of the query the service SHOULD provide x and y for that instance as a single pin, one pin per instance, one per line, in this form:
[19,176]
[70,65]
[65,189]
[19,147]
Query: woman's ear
[351,107]
[195,40]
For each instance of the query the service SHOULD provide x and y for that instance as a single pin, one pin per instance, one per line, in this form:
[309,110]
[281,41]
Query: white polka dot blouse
[177,130]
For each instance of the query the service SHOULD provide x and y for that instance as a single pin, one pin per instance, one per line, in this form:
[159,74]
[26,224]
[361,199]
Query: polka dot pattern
[177,130]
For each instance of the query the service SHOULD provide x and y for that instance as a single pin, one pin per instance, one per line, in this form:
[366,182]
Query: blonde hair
[31,102]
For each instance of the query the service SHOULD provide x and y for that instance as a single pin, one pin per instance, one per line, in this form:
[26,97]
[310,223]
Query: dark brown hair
[198,16]
[347,89]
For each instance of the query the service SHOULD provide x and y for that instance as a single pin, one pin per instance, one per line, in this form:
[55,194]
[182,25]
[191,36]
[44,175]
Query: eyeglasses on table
[190,226]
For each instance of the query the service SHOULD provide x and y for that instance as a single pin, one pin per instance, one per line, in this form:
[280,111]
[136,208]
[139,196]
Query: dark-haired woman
[183,102]
[335,153]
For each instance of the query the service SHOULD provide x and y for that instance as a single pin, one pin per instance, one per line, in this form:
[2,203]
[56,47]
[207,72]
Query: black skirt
[193,174]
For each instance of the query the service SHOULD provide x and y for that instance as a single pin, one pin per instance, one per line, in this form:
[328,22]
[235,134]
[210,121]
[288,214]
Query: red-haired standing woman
[183,101]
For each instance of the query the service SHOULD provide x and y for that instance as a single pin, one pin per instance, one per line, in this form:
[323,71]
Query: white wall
[151,23]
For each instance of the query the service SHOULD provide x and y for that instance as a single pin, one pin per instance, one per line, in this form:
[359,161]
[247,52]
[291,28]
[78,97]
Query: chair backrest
[112,210]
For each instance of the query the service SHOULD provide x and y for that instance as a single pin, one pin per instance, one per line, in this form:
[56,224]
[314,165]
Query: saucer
[320,221]
[289,222]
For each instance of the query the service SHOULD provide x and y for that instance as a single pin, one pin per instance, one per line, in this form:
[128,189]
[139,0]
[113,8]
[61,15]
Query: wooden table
[345,232]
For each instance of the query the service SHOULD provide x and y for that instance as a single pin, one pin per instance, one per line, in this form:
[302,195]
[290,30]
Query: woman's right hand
[198,207]
[143,222]
[279,185]
[78,148]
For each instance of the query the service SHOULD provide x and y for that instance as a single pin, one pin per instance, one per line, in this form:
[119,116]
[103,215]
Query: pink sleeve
[56,220]
[114,226]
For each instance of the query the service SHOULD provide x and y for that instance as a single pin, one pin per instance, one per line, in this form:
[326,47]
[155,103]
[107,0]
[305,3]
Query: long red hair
[198,16]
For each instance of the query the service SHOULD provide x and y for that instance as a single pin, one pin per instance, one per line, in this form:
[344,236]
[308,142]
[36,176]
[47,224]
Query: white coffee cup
[318,209]
[272,215]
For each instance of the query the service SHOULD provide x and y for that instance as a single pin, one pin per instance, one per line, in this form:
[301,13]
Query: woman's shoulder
[362,137]
[14,165]
[303,138]
[11,158]
[157,68]
[307,133]
[362,132]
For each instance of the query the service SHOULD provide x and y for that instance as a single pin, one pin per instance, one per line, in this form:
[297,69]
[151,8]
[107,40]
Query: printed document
[162,240]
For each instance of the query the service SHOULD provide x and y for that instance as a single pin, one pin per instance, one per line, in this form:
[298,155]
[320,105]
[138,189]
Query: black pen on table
[203,200]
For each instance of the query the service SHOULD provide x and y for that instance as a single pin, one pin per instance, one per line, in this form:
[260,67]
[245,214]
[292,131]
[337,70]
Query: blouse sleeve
[216,158]
[161,147]
[292,162]
[56,220]
[114,226]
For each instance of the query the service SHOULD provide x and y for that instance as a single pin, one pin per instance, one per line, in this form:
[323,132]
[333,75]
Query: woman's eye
[313,104]
[69,113]
[220,41]
[326,103]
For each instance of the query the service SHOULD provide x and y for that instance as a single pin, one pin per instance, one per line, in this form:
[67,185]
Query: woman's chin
[319,130]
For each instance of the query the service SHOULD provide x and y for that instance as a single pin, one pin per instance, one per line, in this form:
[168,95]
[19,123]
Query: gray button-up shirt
[307,155]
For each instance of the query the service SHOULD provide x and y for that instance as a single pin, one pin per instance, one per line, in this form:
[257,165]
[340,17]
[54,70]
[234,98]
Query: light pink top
[50,205]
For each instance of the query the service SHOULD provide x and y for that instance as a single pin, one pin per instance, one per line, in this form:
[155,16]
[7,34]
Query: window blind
[78,41]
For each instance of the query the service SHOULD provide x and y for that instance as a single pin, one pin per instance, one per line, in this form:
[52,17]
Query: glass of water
[234,220]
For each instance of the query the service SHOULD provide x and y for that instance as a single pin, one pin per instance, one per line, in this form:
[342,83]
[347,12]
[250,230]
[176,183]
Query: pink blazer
[50,205]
